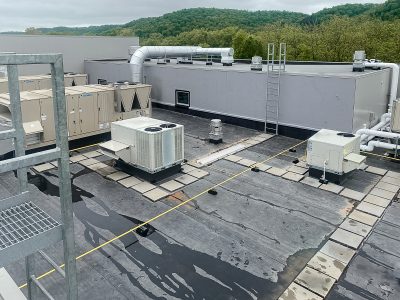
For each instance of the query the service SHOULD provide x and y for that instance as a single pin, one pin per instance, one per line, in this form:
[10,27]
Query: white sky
[19,14]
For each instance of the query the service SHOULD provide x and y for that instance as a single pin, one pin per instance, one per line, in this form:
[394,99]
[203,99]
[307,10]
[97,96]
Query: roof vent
[359,61]
[345,134]
[256,63]
[153,129]
[168,125]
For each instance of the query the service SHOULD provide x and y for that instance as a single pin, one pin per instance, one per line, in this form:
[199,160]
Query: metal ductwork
[142,53]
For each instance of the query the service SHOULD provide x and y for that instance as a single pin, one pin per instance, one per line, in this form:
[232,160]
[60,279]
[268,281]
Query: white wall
[74,48]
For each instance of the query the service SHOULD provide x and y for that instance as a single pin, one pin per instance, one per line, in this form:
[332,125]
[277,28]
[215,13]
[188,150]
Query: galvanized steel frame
[61,153]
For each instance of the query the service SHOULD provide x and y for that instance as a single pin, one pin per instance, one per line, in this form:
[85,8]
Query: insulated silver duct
[142,53]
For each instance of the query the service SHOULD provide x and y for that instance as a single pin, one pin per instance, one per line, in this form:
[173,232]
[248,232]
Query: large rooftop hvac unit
[331,154]
[147,144]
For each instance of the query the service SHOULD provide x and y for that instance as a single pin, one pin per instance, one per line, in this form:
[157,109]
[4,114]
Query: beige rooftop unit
[36,82]
[37,112]
[43,82]
[132,96]
[90,111]
[72,79]
[104,100]
[3,85]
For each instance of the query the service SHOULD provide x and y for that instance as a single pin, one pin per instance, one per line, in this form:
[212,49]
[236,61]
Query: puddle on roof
[162,268]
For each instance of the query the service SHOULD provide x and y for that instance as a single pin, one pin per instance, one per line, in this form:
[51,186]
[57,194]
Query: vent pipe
[139,56]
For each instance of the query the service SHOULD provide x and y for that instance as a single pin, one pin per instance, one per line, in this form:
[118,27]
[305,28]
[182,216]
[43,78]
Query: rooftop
[328,69]
[249,241]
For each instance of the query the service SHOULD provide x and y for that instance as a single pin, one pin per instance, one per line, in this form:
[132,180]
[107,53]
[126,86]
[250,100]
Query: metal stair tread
[21,226]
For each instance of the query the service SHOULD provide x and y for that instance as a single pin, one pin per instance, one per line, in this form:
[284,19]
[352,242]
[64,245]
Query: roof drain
[143,53]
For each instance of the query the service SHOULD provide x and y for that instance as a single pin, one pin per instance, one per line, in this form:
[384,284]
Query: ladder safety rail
[28,235]
[274,70]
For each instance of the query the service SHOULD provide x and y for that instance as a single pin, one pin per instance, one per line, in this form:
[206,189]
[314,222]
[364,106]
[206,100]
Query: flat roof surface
[249,241]
[341,70]
[308,69]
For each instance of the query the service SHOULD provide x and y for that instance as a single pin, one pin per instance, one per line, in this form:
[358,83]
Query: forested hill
[209,19]
[172,24]
[329,35]
[347,10]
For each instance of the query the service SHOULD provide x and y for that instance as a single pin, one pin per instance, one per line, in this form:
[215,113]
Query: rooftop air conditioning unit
[147,144]
[331,154]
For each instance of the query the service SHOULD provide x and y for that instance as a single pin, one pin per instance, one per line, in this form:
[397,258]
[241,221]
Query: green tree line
[333,40]
[331,34]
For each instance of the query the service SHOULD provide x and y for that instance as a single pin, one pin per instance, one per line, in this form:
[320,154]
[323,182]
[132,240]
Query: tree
[251,47]
[238,43]
[32,30]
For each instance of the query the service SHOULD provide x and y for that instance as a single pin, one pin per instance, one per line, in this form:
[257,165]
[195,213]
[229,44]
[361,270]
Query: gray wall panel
[372,96]
[316,102]
[307,101]
[74,48]
[240,94]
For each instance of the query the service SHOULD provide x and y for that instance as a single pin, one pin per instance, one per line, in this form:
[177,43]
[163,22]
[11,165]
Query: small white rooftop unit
[147,144]
[331,154]
[256,63]
[359,61]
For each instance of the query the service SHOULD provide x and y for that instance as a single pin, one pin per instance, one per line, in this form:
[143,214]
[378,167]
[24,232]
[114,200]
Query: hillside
[174,23]
[208,19]
[91,30]
[346,10]
[390,10]
[332,34]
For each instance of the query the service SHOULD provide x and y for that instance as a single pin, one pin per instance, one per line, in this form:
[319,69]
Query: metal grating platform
[23,222]
[21,226]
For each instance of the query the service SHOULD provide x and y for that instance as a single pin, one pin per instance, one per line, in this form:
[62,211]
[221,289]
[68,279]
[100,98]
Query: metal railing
[19,207]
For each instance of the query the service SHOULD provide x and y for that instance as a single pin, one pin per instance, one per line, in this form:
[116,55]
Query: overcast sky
[20,14]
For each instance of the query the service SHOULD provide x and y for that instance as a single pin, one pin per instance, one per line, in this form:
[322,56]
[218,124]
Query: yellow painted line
[382,156]
[84,147]
[166,212]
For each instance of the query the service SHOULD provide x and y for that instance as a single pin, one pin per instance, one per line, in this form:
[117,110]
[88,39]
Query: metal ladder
[24,227]
[275,68]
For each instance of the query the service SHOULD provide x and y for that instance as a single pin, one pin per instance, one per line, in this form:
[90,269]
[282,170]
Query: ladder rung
[52,263]
[41,288]
[271,105]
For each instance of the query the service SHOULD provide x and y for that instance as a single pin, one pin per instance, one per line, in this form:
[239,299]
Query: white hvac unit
[334,152]
[148,144]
